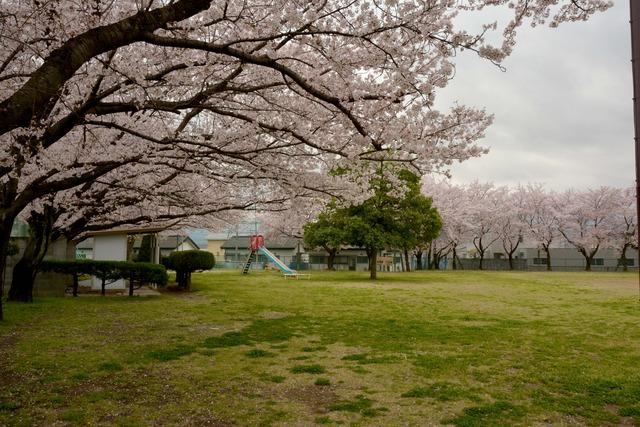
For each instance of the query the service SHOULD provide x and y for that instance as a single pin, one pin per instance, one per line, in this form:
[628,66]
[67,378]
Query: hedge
[109,271]
[186,262]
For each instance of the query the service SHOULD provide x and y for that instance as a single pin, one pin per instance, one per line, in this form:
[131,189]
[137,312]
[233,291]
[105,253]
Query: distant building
[199,236]
[168,244]
[46,284]
[214,245]
[236,250]
[354,259]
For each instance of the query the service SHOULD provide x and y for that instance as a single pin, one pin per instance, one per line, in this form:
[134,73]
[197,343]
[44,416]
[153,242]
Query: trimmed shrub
[109,271]
[186,262]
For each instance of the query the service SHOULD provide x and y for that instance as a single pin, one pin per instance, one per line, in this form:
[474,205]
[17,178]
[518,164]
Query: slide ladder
[248,262]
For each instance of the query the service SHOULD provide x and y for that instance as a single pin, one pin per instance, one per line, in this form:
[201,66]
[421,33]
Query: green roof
[19,229]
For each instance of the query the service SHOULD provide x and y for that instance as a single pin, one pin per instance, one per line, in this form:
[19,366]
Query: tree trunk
[23,279]
[623,257]
[455,256]
[588,260]
[418,260]
[481,260]
[103,286]
[510,254]
[131,282]
[25,271]
[130,242]
[548,251]
[436,260]
[429,258]
[373,263]
[75,284]
[406,259]
[330,259]
[5,235]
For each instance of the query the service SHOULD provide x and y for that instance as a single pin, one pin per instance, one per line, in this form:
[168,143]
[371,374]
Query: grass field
[457,348]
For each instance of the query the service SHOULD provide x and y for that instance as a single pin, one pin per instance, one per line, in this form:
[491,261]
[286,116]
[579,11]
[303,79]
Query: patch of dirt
[478,323]
[627,421]
[318,398]
[612,409]
[206,419]
[9,377]
[208,327]
[272,315]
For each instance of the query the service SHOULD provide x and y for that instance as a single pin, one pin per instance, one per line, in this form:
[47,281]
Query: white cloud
[563,110]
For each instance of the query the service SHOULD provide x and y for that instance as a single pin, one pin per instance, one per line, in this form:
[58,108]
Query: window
[317,259]
[539,261]
[598,261]
[629,262]
[362,260]
[341,259]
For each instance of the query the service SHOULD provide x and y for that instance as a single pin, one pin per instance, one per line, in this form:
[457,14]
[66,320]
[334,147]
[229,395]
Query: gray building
[46,284]
[237,249]
[168,244]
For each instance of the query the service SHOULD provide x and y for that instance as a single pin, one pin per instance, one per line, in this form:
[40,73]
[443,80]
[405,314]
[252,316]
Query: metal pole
[635,64]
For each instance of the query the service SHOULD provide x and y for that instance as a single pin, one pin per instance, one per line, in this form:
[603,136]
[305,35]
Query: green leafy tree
[144,255]
[399,218]
[418,221]
[373,224]
[326,232]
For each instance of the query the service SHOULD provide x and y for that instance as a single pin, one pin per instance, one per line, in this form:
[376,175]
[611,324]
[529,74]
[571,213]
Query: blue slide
[274,259]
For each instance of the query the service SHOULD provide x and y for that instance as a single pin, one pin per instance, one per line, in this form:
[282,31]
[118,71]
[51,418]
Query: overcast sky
[563,109]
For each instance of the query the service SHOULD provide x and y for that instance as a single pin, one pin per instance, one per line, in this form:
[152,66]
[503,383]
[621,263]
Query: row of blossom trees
[240,93]
[487,215]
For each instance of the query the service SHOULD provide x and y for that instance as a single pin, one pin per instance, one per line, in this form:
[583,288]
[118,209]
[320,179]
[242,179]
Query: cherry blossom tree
[541,216]
[586,219]
[454,207]
[624,224]
[159,197]
[486,207]
[512,222]
[246,88]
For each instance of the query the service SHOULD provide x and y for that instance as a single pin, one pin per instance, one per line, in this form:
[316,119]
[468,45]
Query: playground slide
[281,265]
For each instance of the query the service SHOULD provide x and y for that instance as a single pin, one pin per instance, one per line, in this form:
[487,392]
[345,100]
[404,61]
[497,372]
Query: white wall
[186,246]
[109,248]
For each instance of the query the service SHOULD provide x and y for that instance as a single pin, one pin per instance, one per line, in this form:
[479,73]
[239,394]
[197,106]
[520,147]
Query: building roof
[242,242]
[198,235]
[85,244]
[166,242]
[19,229]
[218,236]
[169,242]
[127,231]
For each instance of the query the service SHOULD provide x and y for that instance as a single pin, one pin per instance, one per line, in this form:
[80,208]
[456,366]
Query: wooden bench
[296,275]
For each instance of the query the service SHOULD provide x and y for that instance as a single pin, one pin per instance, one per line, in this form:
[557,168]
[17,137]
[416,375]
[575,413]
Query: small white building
[116,245]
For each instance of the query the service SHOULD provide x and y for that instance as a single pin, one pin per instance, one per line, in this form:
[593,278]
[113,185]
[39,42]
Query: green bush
[109,271]
[186,262]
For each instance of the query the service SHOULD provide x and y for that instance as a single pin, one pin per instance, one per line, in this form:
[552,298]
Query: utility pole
[635,63]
